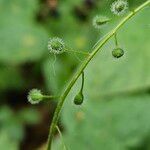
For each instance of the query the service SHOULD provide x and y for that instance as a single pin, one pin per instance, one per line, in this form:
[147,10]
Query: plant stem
[65,148]
[116,41]
[50,96]
[83,66]
[80,52]
[82,82]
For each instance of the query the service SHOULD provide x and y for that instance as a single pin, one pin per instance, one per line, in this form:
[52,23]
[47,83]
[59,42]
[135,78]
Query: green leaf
[7,143]
[29,116]
[21,39]
[11,124]
[115,123]
[10,78]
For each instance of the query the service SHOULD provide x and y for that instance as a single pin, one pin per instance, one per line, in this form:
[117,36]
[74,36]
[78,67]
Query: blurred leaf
[7,143]
[6,114]
[29,116]
[12,124]
[116,123]
[21,39]
[10,78]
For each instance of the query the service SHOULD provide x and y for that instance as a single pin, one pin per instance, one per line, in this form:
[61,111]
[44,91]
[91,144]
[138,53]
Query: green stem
[83,66]
[82,82]
[80,52]
[116,41]
[50,96]
[65,148]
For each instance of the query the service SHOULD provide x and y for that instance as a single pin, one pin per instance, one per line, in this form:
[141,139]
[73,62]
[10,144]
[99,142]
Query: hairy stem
[83,66]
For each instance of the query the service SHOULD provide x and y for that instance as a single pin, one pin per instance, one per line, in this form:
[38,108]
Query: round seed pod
[118,52]
[119,7]
[56,45]
[35,96]
[78,100]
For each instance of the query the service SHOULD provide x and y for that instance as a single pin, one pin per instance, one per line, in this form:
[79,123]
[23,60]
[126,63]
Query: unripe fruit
[35,96]
[119,7]
[100,21]
[78,100]
[56,46]
[118,52]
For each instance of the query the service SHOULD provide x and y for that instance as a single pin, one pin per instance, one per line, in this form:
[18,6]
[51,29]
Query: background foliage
[115,114]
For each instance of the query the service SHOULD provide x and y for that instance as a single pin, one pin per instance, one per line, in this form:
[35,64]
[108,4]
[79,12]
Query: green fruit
[35,96]
[119,7]
[56,45]
[118,52]
[78,100]
[99,21]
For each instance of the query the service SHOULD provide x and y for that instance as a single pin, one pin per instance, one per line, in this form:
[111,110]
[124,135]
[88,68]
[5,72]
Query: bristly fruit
[35,96]
[99,21]
[78,100]
[56,45]
[118,52]
[119,7]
